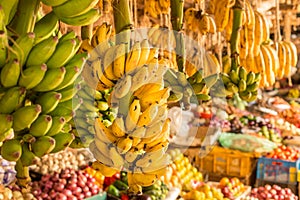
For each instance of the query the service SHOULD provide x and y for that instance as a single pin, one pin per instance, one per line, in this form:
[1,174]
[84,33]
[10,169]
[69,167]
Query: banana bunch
[221,11]
[199,22]
[75,12]
[38,91]
[154,8]
[239,81]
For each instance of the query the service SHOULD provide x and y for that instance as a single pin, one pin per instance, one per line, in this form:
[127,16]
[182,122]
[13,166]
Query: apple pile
[231,187]
[284,153]
[273,192]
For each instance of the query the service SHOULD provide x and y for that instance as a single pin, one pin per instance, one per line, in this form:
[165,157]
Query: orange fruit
[224,181]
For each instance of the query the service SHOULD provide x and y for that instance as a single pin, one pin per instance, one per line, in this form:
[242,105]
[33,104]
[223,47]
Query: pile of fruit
[15,193]
[203,192]
[292,115]
[181,173]
[231,187]
[68,184]
[285,153]
[273,192]
[286,128]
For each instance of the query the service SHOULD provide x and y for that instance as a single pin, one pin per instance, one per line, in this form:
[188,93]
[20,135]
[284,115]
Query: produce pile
[285,153]
[272,192]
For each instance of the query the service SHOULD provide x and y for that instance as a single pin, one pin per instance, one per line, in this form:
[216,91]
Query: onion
[85,189]
[80,196]
[44,195]
[67,192]
[59,186]
[77,191]
[52,194]
[94,191]
[71,198]
[89,184]
[72,186]
[61,196]
[80,183]
[88,194]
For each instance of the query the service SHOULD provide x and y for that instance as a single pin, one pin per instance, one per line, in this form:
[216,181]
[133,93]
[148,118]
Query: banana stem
[23,178]
[238,9]
[122,22]
[177,23]
[25,17]
[87,32]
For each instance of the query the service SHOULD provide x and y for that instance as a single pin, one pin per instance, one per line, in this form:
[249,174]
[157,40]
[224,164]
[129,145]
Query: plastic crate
[277,171]
[227,162]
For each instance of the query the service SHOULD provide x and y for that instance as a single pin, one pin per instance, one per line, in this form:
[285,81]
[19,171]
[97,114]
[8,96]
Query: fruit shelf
[246,192]
[278,171]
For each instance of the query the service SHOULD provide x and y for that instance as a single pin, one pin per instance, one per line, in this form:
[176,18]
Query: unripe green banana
[23,46]
[85,19]
[10,73]
[250,78]
[52,79]
[242,85]
[253,87]
[63,53]
[72,104]
[67,36]
[198,87]
[181,78]
[42,51]
[242,73]
[6,122]
[246,95]
[69,92]
[32,76]
[77,144]
[49,101]
[170,77]
[102,105]
[9,8]
[257,77]
[4,135]
[25,116]
[225,78]
[28,157]
[175,97]
[45,27]
[3,48]
[89,106]
[12,99]
[58,123]
[28,138]
[11,150]
[62,141]
[43,145]
[73,8]
[53,2]
[232,87]
[234,76]
[41,125]
[67,128]
[63,112]
[210,80]
[203,97]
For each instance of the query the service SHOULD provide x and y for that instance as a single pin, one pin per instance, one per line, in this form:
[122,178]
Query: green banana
[25,116]
[28,138]
[45,27]
[62,141]
[11,150]
[242,85]
[225,78]
[42,51]
[234,76]
[4,135]
[243,73]
[89,106]
[232,87]
[175,97]
[13,99]
[102,105]
[10,73]
[64,112]
[64,51]
[210,80]
[245,95]
[257,77]
[78,144]
[28,158]
[22,47]
[32,76]
[73,8]
[250,78]
[72,104]
[67,36]
[72,73]
[41,125]
[54,2]
[6,122]
[85,19]
[69,92]
[58,123]
[43,145]
[10,9]
[198,87]
[49,101]
[253,87]
[52,79]
[181,78]
[67,128]
[170,77]
[3,48]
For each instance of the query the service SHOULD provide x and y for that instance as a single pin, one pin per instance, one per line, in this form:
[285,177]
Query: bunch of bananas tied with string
[155,8]
[257,52]
[197,21]
[37,91]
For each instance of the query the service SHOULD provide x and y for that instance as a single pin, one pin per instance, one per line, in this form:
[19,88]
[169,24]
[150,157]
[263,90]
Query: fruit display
[56,162]
[231,187]
[204,191]
[286,128]
[181,173]
[14,192]
[68,184]
[285,153]
[272,192]
[292,115]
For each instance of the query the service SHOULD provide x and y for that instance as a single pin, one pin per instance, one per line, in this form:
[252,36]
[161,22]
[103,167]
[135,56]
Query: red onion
[67,192]
[88,194]
[59,186]
[85,189]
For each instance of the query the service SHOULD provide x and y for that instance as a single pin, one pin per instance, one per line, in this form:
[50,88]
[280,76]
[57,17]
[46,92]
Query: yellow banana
[258,34]
[107,67]
[148,115]
[103,169]
[293,50]
[133,115]
[99,156]
[147,89]
[145,52]
[159,97]
[282,55]
[243,43]
[124,144]
[268,64]
[118,127]
[133,57]
[103,133]
[119,60]
[287,66]
[116,158]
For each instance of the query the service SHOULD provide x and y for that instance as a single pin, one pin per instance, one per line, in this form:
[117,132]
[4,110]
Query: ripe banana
[133,57]
[124,144]
[119,60]
[148,115]
[118,126]
[133,115]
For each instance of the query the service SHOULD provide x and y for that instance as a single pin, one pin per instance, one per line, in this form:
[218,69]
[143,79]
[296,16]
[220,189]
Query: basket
[277,171]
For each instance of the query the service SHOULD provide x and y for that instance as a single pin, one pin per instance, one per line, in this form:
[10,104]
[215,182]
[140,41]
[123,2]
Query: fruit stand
[149,100]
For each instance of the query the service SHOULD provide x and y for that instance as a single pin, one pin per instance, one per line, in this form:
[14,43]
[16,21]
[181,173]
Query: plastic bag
[246,143]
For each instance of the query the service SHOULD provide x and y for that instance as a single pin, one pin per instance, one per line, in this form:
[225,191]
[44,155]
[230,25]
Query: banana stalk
[238,10]
[177,24]
[25,17]
[23,178]
[122,22]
